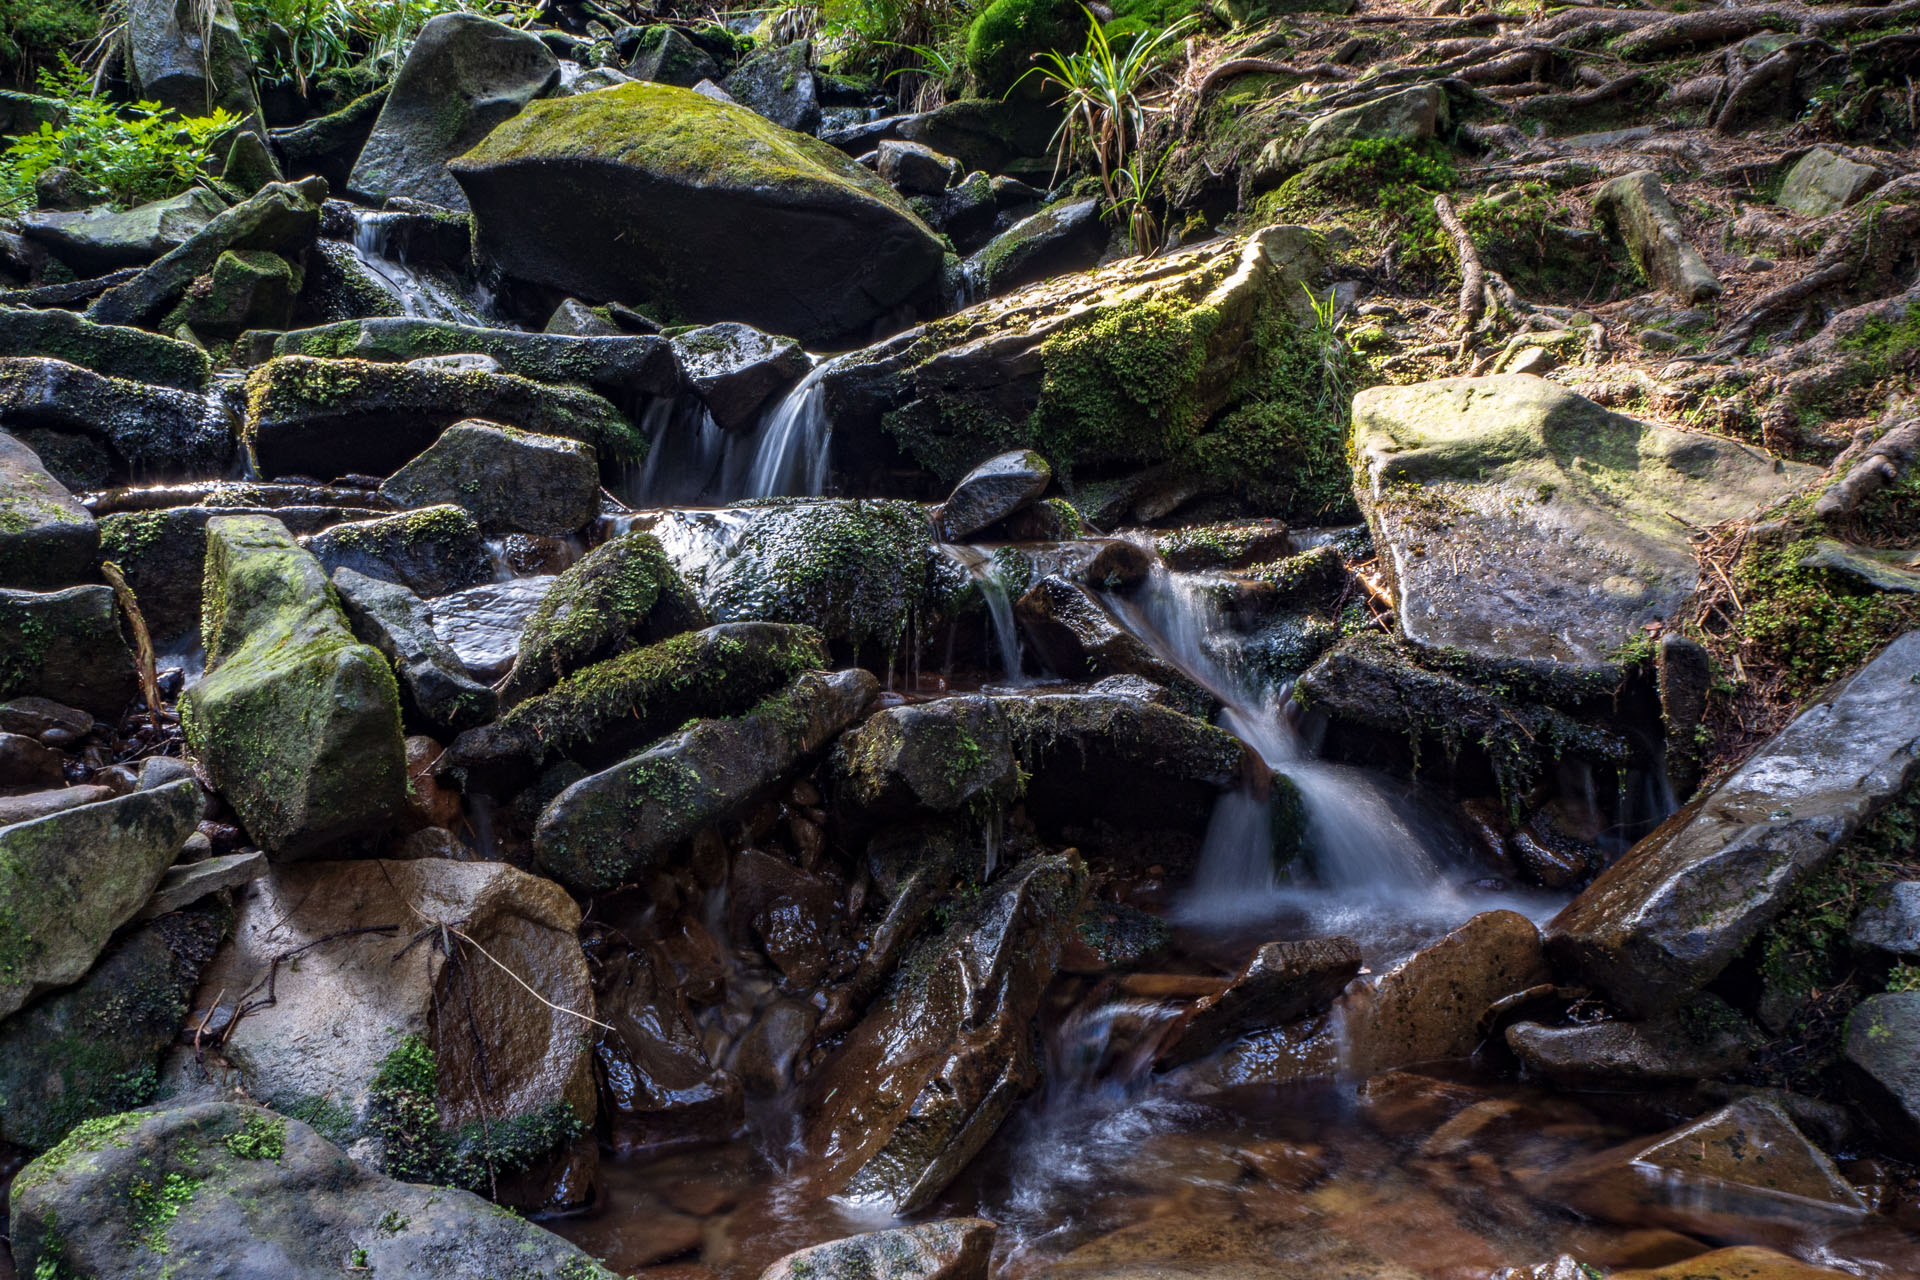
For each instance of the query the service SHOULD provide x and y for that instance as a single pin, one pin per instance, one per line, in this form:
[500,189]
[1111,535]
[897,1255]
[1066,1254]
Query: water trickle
[420,292]
[790,455]
[692,460]
[979,564]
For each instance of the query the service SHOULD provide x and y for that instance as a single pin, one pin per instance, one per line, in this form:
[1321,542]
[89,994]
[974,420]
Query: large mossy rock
[100,239]
[296,722]
[438,1062]
[463,76]
[1680,906]
[1529,527]
[512,481]
[46,538]
[221,1187]
[1006,35]
[950,756]
[89,429]
[647,193]
[113,351]
[434,551]
[66,645]
[68,880]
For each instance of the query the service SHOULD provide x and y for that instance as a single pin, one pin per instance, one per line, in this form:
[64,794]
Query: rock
[1111,936]
[101,239]
[1061,238]
[463,76]
[1882,1053]
[661,1086]
[249,164]
[984,133]
[992,491]
[1076,636]
[776,1043]
[613,826]
[261,1194]
[709,183]
[615,707]
[950,1249]
[66,645]
[575,319]
[777,81]
[46,538]
[1670,915]
[1537,361]
[92,1050]
[1744,1262]
[1237,545]
[296,723]
[434,687]
[1285,981]
[1889,926]
[110,350]
[1821,183]
[916,170]
[965,213]
[153,433]
[623,594]
[1684,674]
[25,763]
[734,368]
[795,915]
[329,144]
[511,481]
[186,883]
[39,804]
[1544,494]
[247,289]
[68,880]
[1635,208]
[951,756]
[1409,115]
[340,417]
[432,551]
[189,58]
[664,55]
[1702,1042]
[483,624]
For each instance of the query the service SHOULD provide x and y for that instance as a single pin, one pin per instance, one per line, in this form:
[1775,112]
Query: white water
[420,293]
[692,460]
[978,562]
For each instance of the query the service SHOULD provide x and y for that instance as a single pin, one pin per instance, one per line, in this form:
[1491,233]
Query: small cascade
[790,454]
[979,564]
[424,293]
[692,460]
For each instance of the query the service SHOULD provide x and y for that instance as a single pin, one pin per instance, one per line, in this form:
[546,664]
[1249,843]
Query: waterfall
[420,293]
[790,451]
[692,460]
[978,562]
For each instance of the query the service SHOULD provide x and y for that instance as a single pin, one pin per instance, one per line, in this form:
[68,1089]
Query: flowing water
[421,291]
[692,460]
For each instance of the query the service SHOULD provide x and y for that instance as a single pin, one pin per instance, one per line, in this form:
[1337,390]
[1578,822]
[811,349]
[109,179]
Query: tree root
[1874,465]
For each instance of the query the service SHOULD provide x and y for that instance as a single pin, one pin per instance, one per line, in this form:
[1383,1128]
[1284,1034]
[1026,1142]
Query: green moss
[1887,347]
[1386,184]
[325,1117]
[156,1205]
[1122,384]
[1810,625]
[603,603]
[1004,38]
[261,1138]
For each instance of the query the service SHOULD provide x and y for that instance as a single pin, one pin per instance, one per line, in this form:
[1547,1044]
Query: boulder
[965,213]
[66,645]
[110,350]
[328,145]
[1704,1041]
[1665,920]
[1283,982]
[951,756]
[1821,183]
[613,827]
[664,55]
[463,76]
[339,417]
[914,169]
[101,239]
[512,481]
[735,368]
[997,488]
[432,551]
[1076,636]
[296,723]
[662,1088]
[239,1188]
[621,595]
[720,196]
[1635,208]
[189,58]
[947,1052]
[246,289]
[483,624]
[27,763]
[777,81]
[1888,927]
[950,1249]
[29,805]
[985,133]
[1882,1061]
[68,880]
[46,538]
[441,1065]
[1525,525]
[148,432]
[1408,115]
[435,688]
[1239,544]
[1061,238]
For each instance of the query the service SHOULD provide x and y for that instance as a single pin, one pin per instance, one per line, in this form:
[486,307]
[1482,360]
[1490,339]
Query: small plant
[1133,198]
[1336,367]
[1905,977]
[924,87]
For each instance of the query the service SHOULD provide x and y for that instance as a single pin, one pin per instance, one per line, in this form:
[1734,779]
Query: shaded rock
[296,723]
[39,717]
[432,552]
[189,58]
[1889,926]
[1635,208]
[575,319]
[246,289]
[1821,183]
[68,880]
[39,804]
[1409,115]
[794,914]
[952,756]
[328,145]
[110,350]
[734,368]
[463,76]
[710,183]
[777,81]
[100,239]
[664,55]
[46,538]
[434,687]
[775,1044]
[1544,494]
[1237,545]
[249,164]
[66,645]
[483,624]
[1063,237]
[914,169]
[613,826]
[965,213]
[24,762]
[186,883]
[950,1249]
[1076,636]
[258,1191]
[940,1061]
[1109,936]
[1706,1040]
[1882,1052]
[984,133]
[152,433]
[991,492]
[1283,982]
[621,595]
[341,417]
[1669,916]
[512,481]
[661,1088]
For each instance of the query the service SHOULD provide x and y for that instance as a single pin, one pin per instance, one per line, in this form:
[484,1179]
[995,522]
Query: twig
[142,640]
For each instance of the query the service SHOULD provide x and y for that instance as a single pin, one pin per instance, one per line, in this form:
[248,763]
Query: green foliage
[299,42]
[131,154]
[919,41]
[1004,41]
[1390,183]
[33,31]
[1887,347]
[155,1206]
[261,1138]
[1810,625]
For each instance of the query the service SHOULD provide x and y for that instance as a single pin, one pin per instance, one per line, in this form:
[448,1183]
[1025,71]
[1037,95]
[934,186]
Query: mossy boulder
[735,368]
[329,418]
[1007,34]
[113,351]
[46,538]
[100,239]
[648,193]
[952,756]
[777,81]
[622,594]
[1069,235]
[139,431]
[665,55]
[999,487]
[295,721]
[511,481]
[433,551]
[66,645]
[246,289]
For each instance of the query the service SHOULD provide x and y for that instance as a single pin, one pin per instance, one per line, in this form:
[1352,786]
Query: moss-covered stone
[433,551]
[109,350]
[246,289]
[512,481]
[1007,34]
[46,538]
[150,432]
[66,645]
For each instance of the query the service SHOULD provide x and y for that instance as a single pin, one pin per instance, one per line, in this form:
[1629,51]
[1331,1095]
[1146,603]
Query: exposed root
[1874,466]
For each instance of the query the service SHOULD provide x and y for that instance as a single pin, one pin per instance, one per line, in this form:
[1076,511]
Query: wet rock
[916,170]
[46,538]
[603,156]
[1743,1262]
[66,645]
[992,491]
[1063,237]
[1882,1052]
[297,724]
[664,55]
[1635,208]
[407,1028]
[255,1190]
[246,289]
[983,133]
[1889,926]
[775,1044]
[615,825]
[189,58]
[1190,1244]
[463,76]
[344,417]
[70,879]
[512,481]
[1109,936]
[435,689]
[433,551]
[1669,916]
[1498,502]
[612,708]
[950,1249]
[100,239]
[1409,115]
[661,1088]
[621,595]
[1821,183]
[794,914]
[92,1050]
[734,368]
[942,1059]
[24,762]
[778,82]
[952,756]
[109,350]
[1283,982]
[1706,1040]
[483,624]
[1076,636]
[1236,545]
[149,432]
